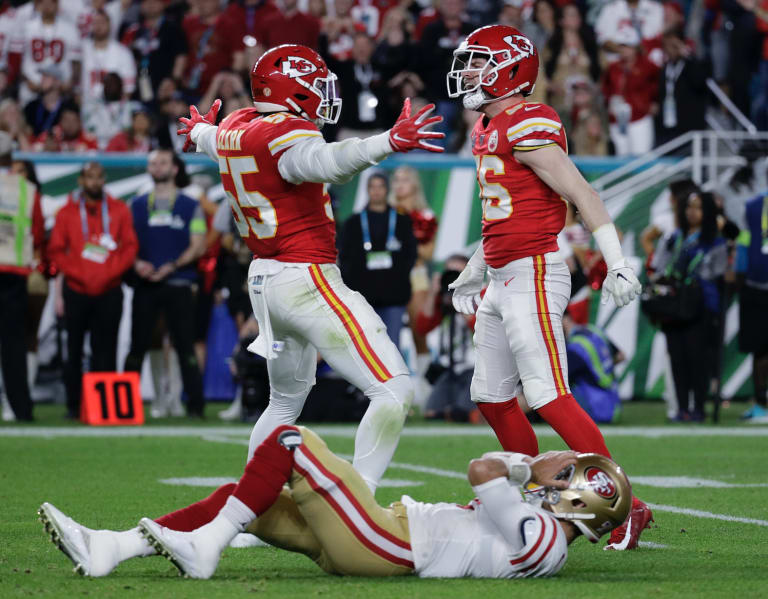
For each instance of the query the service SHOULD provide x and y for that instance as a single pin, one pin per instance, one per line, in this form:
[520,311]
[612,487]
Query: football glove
[195,118]
[468,285]
[409,132]
[621,284]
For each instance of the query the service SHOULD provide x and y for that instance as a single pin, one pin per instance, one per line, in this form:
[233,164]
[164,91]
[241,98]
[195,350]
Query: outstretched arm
[553,166]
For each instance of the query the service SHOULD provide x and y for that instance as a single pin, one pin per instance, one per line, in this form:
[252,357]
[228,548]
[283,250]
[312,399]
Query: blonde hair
[420,200]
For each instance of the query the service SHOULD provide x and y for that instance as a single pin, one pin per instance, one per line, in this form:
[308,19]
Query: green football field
[708,485]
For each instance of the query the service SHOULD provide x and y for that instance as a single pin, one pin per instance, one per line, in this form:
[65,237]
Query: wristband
[608,243]
[518,472]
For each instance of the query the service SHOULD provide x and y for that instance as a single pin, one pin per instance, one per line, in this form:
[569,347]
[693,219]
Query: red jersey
[522,215]
[276,219]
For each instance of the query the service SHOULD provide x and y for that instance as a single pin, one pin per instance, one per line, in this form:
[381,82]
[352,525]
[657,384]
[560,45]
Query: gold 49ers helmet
[598,498]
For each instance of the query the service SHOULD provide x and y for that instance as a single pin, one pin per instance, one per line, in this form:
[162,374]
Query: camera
[446,301]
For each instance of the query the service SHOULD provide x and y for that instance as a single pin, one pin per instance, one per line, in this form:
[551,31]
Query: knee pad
[397,391]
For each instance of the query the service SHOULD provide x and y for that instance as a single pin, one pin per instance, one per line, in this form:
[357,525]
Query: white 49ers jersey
[42,45]
[452,541]
[97,62]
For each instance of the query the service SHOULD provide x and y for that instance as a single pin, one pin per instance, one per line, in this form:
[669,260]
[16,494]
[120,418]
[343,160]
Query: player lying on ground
[328,513]
[525,177]
[275,167]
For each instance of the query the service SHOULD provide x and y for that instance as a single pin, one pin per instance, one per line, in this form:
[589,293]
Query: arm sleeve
[204,137]
[313,160]
[59,244]
[505,507]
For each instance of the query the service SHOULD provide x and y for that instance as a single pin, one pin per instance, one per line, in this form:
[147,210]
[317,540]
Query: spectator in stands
[570,54]
[229,88]
[87,11]
[244,17]
[288,26]
[22,236]
[682,90]
[752,269]
[588,135]
[407,197]
[137,137]
[171,233]
[212,47]
[102,55]
[44,112]
[110,113]
[744,52]
[13,123]
[394,43]
[697,259]
[451,372]
[159,47]
[377,252]
[543,23]
[167,122]
[435,52]
[760,101]
[511,14]
[340,30]
[644,17]
[67,136]
[46,39]
[362,85]
[93,244]
[630,88]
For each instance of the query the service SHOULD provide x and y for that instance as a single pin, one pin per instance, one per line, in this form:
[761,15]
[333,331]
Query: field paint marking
[687,482]
[348,431]
[702,514]
[218,481]
[651,545]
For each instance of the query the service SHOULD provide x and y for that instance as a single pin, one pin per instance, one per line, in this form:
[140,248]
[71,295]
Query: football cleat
[193,559]
[93,552]
[627,535]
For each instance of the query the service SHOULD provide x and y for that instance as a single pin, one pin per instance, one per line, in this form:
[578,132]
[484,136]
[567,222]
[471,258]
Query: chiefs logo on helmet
[296,66]
[601,482]
[522,44]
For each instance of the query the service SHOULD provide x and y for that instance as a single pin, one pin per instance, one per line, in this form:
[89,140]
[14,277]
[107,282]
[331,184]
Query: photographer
[451,373]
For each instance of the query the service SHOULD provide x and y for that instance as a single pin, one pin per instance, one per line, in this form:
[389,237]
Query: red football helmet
[296,79]
[493,63]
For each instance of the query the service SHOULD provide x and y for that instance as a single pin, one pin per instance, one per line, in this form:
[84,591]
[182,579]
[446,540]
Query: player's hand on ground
[466,289]
[195,118]
[621,284]
[546,466]
[410,132]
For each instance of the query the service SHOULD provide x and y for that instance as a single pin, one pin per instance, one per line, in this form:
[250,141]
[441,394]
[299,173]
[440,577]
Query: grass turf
[111,482]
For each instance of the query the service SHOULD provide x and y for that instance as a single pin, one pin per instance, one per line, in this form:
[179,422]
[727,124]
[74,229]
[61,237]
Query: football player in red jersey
[275,167]
[525,178]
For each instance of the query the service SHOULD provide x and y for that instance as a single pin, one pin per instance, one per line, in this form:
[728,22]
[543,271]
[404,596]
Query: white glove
[621,284]
[468,285]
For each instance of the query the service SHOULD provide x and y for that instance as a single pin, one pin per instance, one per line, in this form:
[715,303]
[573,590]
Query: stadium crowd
[114,76]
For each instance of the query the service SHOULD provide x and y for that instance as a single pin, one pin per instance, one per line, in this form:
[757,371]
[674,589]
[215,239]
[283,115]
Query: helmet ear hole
[578,503]
[513,72]
[301,97]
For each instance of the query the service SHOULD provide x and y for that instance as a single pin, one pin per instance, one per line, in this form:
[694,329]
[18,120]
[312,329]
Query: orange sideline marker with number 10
[111,398]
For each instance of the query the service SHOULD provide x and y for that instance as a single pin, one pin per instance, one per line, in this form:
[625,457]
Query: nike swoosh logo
[508,281]
[619,275]
[398,138]
[529,108]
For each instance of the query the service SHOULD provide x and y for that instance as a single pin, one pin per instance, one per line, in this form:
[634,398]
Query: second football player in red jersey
[525,178]
[275,167]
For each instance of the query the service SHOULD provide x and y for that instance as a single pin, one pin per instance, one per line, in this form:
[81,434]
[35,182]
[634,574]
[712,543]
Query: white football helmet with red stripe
[493,63]
[598,498]
[296,79]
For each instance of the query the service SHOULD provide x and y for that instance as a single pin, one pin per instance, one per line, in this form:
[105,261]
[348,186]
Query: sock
[379,430]
[232,520]
[511,426]
[197,514]
[574,425]
[266,473]
[131,543]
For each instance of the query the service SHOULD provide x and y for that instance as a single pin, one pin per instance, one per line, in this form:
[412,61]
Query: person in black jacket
[682,90]
[377,252]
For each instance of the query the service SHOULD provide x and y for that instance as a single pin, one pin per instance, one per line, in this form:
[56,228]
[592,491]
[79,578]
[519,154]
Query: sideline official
[171,228]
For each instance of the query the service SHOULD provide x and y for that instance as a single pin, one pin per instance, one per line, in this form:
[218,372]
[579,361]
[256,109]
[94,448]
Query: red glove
[194,119]
[409,131]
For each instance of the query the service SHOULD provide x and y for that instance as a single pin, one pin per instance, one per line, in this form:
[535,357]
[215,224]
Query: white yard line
[348,431]
[651,545]
[702,514]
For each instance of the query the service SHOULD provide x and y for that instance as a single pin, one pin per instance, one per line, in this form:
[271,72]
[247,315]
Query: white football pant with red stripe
[519,338]
[310,311]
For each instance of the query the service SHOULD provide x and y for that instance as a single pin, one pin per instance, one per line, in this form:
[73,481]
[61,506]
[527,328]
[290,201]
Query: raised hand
[546,466]
[195,118]
[409,132]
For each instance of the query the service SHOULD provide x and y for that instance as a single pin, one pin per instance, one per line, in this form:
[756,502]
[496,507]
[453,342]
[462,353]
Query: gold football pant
[328,513]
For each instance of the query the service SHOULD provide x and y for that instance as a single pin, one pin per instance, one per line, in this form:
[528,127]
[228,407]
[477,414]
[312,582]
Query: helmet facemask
[329,109]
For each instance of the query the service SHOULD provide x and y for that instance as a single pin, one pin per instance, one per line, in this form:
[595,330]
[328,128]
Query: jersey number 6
[264,226]
[497,203]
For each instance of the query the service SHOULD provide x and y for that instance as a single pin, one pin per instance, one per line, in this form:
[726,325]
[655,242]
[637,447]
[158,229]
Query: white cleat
[194,559]
[93,552]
